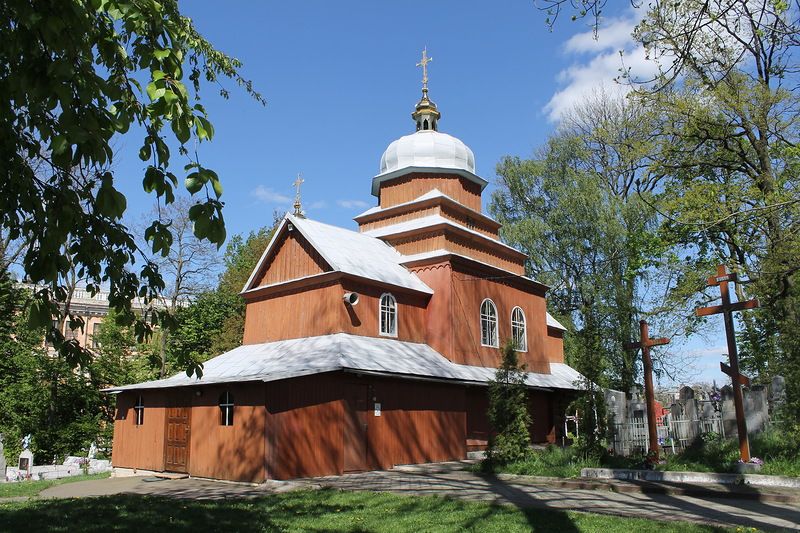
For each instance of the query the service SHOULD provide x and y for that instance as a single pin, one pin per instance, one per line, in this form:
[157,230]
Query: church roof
[286,359]
[553,323]
[349,252]
[434,220]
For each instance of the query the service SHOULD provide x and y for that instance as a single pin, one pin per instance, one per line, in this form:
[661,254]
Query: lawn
[33,488]
[779,448]
[323,510]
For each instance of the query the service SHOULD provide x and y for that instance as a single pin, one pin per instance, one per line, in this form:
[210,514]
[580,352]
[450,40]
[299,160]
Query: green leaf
[194,182]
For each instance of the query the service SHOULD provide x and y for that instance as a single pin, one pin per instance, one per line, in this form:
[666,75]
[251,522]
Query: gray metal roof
[273,361]
[350,252]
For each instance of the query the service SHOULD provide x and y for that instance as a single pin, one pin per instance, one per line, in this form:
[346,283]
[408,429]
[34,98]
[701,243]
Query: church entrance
[177,442]
[355,428]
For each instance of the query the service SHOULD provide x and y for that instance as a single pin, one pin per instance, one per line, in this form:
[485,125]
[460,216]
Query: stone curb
[755,480]
[649,487]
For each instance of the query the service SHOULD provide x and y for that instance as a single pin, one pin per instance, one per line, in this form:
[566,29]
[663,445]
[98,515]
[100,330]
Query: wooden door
[178,439]
[355,428]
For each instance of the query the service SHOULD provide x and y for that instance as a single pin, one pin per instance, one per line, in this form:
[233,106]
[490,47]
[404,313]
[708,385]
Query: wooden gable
[289,257]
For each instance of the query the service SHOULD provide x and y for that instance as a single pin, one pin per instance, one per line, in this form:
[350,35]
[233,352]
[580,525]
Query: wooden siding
[228,452]
[455,330]
[540,406]
[292,258]
[321,311]
[419,423]
[442,239]
[444,210]
[304,427]
[554,345]
[140,446]
[412,186]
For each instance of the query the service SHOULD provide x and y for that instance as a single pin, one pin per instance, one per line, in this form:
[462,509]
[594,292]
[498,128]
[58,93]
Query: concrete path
[452,481]
[457,483]
[194,489]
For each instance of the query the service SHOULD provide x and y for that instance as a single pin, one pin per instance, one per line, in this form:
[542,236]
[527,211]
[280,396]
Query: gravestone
[92,451]
[25,462]
[777,393]
[2,461]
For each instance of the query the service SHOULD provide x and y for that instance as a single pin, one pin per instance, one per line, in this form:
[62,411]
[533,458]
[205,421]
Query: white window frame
[393,310]
[138,411]
[495,341]
[515,325]
[226,407]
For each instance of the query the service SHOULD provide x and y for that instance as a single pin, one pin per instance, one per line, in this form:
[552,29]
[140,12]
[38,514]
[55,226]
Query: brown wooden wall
[412,186]
[228,452]
[541,407]
[140,446]
[446,211]
[319,310]
[554,345]
[293,258]
[307,418]
[453,323]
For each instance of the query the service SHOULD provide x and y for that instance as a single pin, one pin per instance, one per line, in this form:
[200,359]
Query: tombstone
[616,404]
[777,394]
[25,463]
[92,451]
[2,461]
[686,393]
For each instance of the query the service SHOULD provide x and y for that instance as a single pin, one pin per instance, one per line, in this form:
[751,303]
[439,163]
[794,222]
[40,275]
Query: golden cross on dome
[424,64]
[297,183]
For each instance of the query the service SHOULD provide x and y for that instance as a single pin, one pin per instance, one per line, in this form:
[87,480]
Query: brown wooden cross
[650,396]
[723,278]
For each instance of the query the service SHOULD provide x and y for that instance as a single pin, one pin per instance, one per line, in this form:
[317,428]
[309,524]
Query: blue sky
[340,81]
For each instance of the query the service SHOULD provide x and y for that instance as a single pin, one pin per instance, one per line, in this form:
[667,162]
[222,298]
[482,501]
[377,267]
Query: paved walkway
[464,485]
[450,480]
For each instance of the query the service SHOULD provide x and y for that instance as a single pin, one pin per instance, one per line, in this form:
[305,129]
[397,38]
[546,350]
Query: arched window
[518,330]
[388,315]
[226,409]
[489,324]
[138,411]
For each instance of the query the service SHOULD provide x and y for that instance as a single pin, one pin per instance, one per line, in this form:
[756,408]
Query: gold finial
[297,183]
[424,64]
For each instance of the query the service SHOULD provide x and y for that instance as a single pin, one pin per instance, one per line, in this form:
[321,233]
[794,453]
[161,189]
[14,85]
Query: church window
[518,330]
[489,324]
[138,409]
[226,409]
[388,315]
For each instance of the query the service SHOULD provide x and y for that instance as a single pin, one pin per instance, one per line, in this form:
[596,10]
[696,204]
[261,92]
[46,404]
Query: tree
[214,322]
[188,266]
[73,75]
[508,412]
[575,211]
[728,160]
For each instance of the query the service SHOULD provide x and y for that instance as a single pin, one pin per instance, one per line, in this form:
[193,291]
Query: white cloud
[269,196]
[352,204]
[597,63]
[319,204]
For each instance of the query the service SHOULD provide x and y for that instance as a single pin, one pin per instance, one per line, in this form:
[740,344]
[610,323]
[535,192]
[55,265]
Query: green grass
[778,448]
[33,488]
[324,510]
[554,461]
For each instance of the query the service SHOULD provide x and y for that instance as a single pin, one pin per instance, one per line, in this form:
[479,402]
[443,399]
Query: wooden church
[363,350]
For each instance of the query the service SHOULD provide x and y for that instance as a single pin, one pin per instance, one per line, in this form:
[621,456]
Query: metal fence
[674,433]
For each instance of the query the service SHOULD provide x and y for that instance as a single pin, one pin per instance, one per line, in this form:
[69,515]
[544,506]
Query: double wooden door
[355,428]
[178,438]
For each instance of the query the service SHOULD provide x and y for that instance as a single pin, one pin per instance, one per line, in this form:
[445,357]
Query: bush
[508,413]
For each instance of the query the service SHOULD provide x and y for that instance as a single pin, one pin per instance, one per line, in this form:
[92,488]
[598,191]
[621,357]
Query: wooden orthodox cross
[727,308]
[650,397]
[424,64]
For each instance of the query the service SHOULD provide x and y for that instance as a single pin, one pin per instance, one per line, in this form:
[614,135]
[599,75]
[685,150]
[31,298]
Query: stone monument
[92,451]
[25,464]
[2,461]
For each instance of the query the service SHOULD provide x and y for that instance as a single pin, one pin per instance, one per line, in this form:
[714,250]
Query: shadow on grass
[323,510]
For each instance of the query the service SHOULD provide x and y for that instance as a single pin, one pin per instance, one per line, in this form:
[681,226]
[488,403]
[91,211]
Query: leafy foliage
[508,412]
[75,75]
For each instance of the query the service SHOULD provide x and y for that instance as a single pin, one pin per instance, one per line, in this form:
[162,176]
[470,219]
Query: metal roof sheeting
[273,361]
